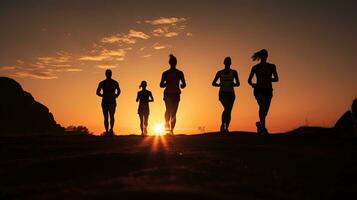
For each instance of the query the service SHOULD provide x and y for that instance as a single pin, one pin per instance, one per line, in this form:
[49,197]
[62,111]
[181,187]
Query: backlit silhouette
[110,91]
[228,79]
[347,124]
[263,89]
[171,80]
[144,97]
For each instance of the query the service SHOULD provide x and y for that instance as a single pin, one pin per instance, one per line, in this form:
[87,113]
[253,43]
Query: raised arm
[151,98]
[275,77]
[99,89]
[236,83]
[183,81]
[214,82]
[163,80]
[117,89]
[251,75]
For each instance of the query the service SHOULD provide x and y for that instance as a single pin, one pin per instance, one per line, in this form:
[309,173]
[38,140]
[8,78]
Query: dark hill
[21,114]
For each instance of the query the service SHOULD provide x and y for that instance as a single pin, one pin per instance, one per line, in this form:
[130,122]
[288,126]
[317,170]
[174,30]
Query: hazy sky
[59,50]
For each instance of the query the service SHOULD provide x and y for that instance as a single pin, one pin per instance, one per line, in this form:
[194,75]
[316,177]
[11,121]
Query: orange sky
[59,55]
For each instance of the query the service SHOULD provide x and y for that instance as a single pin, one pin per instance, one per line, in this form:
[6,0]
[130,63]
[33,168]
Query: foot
[171,132]
[259,128]
[265,131]
[167,128]
[222,130]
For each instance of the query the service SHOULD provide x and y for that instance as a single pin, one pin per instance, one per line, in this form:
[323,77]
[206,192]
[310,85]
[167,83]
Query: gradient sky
[58,51]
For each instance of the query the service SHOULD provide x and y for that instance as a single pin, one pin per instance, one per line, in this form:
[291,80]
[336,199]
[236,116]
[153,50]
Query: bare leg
[146,119]
[105,114]
[167,114]
[111,114]
[175,105]
[141,123]
[228,109]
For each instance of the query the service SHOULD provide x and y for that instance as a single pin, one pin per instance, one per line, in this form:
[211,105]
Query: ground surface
[211,166]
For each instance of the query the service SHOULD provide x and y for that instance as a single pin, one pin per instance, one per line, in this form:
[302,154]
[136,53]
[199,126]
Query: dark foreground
[239,166]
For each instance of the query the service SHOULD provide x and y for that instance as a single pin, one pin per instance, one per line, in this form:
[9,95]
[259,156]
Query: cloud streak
[130,38]
[166,20]
[158,46]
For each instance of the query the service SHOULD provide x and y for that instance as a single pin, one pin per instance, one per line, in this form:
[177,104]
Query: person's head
[354,107]
[172,61]
[143,84]
[227,62]
[261,55]
[108,73]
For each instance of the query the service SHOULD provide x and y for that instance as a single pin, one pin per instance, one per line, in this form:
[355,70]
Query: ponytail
[260,55]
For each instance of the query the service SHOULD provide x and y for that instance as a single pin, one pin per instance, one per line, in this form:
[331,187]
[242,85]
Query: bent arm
[237,83]
[251,75]
[163,81]
[118,91]
[275,77]
[183,81]
[151,98]
[98,90]
[214,82]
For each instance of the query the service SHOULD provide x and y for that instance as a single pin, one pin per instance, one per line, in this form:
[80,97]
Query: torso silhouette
[173,77]
[109,87]
[264,73]
[143,97]
[226,80]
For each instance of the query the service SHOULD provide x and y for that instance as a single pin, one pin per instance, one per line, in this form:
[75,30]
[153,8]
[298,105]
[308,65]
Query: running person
[110,91]
[144,97]
[263,88]
[171,80]
[228,79]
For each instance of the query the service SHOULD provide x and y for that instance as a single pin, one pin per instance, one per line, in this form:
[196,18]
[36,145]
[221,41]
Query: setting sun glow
[159,129]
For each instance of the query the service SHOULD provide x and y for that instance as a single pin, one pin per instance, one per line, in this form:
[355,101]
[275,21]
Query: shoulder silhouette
[144,97]
[265,74]
[109,90]
[173,80]
[228,79]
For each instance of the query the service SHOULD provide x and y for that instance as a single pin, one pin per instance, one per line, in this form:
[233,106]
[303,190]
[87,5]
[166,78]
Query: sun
[159,129]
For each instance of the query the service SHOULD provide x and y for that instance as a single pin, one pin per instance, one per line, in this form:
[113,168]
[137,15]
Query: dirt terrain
[208,166]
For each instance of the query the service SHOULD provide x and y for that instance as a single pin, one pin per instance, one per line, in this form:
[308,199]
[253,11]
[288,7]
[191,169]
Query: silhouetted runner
[228,79]
[110,92]
[263,89]
[144,97]
[170,80]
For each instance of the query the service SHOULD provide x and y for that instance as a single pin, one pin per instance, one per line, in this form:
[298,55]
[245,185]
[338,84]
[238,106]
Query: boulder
[21,114]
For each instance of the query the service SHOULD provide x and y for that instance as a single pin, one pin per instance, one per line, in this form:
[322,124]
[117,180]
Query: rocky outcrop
[20,114]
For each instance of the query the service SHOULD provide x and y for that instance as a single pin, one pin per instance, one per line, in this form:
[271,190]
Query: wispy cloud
[106,55]
[158,46]
[18,61]
[105,52]
[164,31]
[35,75]
[168,26]
[106,66]
[166,20]
[129,38]
[7,68]
[146,56]
[44,67]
